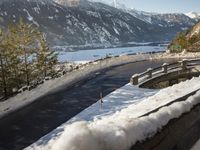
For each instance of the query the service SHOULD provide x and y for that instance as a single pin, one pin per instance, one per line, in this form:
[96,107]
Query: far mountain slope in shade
[90,24]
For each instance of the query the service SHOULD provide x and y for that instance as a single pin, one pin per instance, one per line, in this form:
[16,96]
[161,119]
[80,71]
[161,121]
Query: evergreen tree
[26,37]
[3,77]
[6,58]
[46,58]
[179,43]
[13,58]
[24,57]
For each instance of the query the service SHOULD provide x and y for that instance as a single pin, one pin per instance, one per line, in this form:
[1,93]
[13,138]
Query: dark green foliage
[194,39]
[25,58]
[179,43]
[46,59]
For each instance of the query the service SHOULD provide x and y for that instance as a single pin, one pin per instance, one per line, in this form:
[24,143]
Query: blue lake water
[87,55]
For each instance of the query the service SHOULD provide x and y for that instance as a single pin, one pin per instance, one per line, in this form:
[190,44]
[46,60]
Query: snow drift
[123,129]
[119,133]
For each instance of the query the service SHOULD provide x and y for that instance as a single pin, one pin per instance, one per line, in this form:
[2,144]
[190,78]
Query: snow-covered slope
[193,15]
[165,20]
[90,23]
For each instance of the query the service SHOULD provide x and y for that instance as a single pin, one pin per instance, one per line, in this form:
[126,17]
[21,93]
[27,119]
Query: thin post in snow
[101,99]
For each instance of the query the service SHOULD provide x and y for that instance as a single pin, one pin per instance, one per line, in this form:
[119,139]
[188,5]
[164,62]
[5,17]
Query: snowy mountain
[164,20]
[90,23]
[193,15]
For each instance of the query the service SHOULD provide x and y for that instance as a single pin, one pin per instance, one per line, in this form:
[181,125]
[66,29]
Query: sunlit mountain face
[193,15]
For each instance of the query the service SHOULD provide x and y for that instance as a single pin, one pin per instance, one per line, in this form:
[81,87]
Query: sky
[162,6]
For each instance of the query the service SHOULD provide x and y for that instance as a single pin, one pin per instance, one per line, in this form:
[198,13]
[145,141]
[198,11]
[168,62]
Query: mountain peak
[193,15]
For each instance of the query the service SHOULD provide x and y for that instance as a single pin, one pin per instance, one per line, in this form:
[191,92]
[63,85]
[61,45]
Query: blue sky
[162,6]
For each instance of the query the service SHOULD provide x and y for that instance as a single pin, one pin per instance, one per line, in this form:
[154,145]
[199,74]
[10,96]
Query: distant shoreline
[95,54]
[74,48]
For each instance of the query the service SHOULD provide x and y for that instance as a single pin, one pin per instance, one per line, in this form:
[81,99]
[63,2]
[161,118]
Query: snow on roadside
[196,145]
[124,128]
[164,96]
[82,62]
[114,102]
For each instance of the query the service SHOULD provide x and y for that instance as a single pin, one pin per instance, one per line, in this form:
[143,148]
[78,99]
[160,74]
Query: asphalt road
[26,126]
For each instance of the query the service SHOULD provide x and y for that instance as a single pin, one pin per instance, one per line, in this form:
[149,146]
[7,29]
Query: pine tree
[5,63]
[46,58]
[26,36]
[179,43]
[3,79]
[24,57]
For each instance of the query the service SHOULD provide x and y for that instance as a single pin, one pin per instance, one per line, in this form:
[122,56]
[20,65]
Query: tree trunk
[26,69]
[3,77]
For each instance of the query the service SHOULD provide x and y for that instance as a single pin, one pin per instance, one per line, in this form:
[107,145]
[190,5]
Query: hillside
[90,24]
[169,20]
[188,40]
[193,15]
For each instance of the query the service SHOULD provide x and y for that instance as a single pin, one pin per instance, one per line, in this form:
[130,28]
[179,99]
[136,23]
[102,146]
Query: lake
[88,55]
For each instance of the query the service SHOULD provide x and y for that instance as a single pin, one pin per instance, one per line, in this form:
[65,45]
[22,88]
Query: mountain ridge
[89,24]
[193,15]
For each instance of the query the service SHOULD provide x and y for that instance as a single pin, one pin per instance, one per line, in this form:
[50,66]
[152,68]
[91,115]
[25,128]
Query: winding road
[26,126]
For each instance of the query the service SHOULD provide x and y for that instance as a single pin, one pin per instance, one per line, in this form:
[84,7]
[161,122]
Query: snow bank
[117,133]
[114,102]
[123,129]
[81,62]
[196,146]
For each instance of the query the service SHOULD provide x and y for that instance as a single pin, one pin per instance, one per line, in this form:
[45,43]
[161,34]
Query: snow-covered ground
[196,146]
[114,102]
[88,55]
[117,123]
